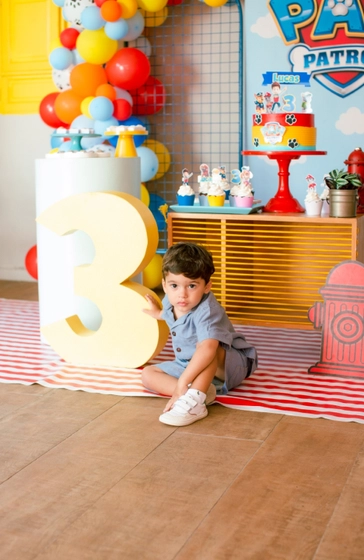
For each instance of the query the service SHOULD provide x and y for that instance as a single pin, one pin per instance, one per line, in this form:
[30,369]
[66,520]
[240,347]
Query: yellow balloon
[163,156]
[144,195]
[152,274]
[85,104]
[154,19]
[96,47]
[128,7]
[215,3]
[152,5]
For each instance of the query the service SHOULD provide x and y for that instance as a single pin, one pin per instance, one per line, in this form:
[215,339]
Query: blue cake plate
[226,209]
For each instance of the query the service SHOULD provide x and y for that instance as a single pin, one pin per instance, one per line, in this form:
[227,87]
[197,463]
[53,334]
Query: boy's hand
[154,310]
[178,392]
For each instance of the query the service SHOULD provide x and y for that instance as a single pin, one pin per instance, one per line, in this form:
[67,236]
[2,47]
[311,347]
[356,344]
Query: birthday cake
[277,126]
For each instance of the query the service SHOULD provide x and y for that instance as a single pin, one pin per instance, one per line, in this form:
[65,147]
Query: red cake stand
[283,200]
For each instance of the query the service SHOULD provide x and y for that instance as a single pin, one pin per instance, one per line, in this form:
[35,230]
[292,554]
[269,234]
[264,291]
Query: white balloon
[123,94]
[136,27]
[61,78]
[142,44]
[73,9]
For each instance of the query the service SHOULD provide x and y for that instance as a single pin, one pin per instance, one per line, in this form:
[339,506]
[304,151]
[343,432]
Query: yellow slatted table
[269,267]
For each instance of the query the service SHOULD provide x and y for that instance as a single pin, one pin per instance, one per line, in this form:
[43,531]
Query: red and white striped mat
[281,383]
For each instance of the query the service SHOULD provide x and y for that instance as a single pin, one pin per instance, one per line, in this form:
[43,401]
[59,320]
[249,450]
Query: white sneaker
[185,411]
[210,395]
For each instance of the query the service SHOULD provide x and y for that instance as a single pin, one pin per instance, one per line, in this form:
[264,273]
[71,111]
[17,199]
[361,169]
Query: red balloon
[68,37]
[149,98]
[122,109]
[129,68]
[31,262]
[99,3]
[47,112]
[174,2]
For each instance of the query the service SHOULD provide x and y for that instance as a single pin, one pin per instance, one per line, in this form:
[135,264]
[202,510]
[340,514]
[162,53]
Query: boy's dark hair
[189,259]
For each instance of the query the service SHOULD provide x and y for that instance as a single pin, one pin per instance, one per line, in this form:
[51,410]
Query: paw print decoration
[339,7]
[290,119]
[292,143]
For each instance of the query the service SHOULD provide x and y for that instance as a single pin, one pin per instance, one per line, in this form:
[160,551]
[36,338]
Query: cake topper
[311,182]
[185,176]
[259,102]
[204,173]
[306,102]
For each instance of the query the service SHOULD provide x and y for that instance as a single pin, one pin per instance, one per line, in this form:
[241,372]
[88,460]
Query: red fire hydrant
[355,163]
[341,317]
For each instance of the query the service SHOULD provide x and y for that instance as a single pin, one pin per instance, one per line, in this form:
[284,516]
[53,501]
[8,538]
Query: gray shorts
[237,368]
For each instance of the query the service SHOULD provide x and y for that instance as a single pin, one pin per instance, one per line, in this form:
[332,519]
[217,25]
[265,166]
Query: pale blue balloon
[116,29]
[82,122]
[65,146]
[149,163]
[60,58]
[59,3]
[56,141]
[101,126]
[136,27]
[77,58]
[91,18]
[101,108]
[87,143]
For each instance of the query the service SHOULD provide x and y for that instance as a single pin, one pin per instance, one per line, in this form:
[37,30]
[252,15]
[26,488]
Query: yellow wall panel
[28,28]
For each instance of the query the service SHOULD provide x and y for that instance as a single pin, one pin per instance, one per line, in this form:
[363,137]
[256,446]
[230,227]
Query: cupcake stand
[59,178]
[283,200]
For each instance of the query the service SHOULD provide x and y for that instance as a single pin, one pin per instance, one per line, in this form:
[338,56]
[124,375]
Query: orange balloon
[110,10]
[68,106]
[106,90]
[85,78]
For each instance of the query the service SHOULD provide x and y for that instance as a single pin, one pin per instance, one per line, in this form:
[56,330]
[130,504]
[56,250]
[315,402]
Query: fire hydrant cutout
[341,318]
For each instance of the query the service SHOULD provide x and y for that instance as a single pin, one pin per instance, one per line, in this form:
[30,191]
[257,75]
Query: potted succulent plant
[343,192]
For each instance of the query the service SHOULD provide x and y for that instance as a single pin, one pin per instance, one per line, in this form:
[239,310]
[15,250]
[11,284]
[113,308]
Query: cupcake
[216,195]
[313,203]
[324,196]
[203,190]
[241,196]
[185,195]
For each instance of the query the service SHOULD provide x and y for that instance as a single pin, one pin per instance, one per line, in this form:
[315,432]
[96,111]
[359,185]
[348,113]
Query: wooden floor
[94,477]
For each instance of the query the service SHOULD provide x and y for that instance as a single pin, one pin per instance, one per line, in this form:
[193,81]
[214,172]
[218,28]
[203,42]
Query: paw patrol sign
[328,40]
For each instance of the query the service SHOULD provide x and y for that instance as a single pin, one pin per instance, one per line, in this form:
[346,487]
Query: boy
[204,341]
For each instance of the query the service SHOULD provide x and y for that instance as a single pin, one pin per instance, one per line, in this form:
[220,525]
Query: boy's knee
[146,375]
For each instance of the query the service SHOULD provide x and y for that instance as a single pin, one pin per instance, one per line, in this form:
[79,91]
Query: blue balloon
[56,141]
[155,202]
[116,29]
[59,3]
[60,58]
[82,122]
[91,18]
[132,121]
[65,146]
[148,162]
[101,108]
[77,58]
[101,126]
[87,143]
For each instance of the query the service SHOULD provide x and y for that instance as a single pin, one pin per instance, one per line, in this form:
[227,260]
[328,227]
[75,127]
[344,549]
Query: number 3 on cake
[125,236]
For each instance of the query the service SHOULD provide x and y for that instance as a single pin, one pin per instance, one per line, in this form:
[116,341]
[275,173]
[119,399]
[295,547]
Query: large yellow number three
[125,236]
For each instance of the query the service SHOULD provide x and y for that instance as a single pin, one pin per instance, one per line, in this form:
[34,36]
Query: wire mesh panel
[197,55]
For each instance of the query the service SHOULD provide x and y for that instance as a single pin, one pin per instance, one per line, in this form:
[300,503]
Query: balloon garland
[100,84]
